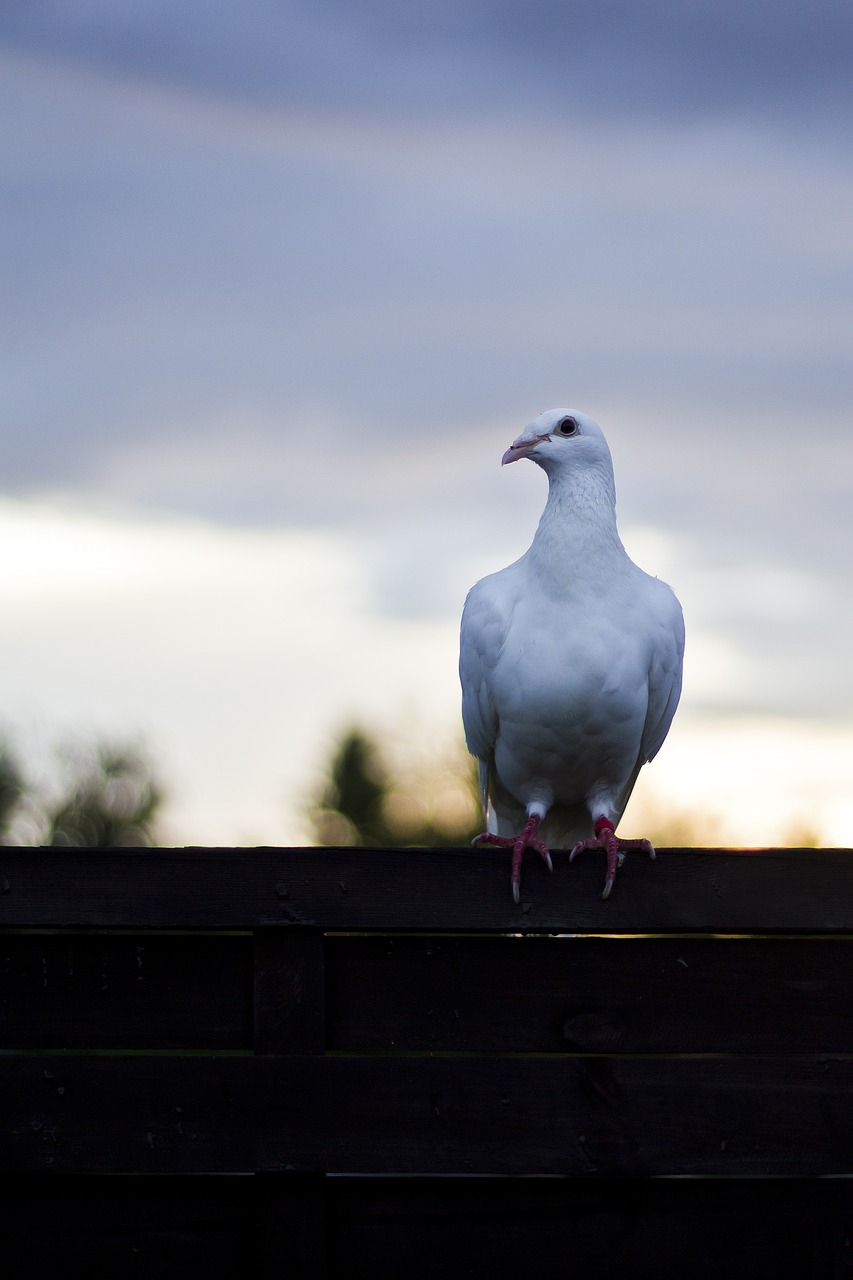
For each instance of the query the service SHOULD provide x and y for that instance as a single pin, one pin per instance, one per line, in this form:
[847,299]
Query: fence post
[289,1003]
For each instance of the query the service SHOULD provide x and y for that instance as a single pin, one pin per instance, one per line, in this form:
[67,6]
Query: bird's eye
[567,426]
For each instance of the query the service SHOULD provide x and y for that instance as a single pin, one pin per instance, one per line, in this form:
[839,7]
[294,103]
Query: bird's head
[561,438]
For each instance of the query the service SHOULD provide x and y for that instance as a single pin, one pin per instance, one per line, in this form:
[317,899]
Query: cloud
[238,655]
[752,780]
[301,271]
[181,261]
[592,57]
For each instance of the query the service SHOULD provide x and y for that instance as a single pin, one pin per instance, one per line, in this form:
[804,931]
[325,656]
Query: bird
[570,662]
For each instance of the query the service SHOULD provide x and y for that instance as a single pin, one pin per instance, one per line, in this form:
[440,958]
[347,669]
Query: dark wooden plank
[148,1229]
[787,890]
[443,993]
[161,1228]
[130,991]
[649,1229]
[626,1116]
[290,1225]
[289,991]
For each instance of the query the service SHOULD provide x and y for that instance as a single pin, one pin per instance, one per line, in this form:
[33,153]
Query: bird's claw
[614,847]
[526,839]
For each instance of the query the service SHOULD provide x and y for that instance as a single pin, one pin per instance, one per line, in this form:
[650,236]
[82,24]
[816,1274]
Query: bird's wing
[664,686]
[665,670]
[485,621]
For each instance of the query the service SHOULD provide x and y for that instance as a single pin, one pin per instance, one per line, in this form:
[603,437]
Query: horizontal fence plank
[162,1228]
[690,890]
[125,991]
[577,1116]
[651,1229]
[443,993]
[145,1228]
[589,995]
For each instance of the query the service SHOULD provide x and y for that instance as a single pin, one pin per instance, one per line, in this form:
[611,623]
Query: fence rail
[310,1025]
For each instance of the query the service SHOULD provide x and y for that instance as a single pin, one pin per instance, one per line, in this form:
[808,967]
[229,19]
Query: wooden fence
[356,1042]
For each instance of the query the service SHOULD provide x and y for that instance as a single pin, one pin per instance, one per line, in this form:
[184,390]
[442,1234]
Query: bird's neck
[577,540]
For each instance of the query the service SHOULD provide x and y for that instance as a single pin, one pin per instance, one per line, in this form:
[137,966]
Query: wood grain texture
[443,993]
[233,1228]
[289,991]
[690,890]
[95,1227]
[447,993]
[164,1228]
[648,1229]
[577,1116]
[388,1013]
[125,991]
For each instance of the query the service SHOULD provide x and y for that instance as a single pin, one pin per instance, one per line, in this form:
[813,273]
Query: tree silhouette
[434,802]
[107,796]
[351,803]
[364,802]
[112,800]
[11,787]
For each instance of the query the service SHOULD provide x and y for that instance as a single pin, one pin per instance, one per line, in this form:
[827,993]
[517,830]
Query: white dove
[570,662]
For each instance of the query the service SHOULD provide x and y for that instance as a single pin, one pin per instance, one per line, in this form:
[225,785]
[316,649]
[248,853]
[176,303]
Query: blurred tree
[350,809]
[106,795]
[112,799]
[669,827]
[422,802]
[430,801]
[11,787]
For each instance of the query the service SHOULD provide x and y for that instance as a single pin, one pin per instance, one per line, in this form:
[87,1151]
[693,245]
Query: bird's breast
[571,707]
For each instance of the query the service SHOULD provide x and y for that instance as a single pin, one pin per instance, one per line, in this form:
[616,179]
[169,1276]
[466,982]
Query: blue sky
[293,275]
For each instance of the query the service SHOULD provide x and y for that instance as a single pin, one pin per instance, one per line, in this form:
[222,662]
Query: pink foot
[614,848]
[527,839]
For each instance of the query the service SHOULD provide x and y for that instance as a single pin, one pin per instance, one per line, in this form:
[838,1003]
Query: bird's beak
[522,448]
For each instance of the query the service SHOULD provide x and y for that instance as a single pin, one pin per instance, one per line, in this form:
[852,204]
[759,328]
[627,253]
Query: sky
[281,282]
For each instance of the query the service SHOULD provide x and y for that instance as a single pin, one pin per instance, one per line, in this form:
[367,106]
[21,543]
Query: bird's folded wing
[485,620]
[665,671]
[664,688]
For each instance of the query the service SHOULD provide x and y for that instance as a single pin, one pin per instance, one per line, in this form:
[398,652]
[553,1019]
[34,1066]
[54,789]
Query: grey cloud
[166,274]
[316,265]
[593,57]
